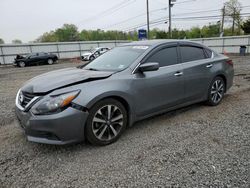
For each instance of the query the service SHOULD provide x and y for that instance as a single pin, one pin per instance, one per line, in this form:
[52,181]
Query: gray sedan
[98,100]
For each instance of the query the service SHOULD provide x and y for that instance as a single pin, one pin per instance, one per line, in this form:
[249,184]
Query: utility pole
[148,19]
[222,21]
[170,5]
[233,22]
[169,21]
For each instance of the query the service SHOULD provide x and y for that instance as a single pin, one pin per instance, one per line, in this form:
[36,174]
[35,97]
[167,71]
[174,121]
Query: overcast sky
[28,19]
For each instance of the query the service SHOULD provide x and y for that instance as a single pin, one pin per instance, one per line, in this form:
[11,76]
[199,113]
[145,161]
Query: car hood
[87,53]
[61,78]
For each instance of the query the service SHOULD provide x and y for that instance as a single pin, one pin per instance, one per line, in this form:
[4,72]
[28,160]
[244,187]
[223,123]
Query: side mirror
[148,67]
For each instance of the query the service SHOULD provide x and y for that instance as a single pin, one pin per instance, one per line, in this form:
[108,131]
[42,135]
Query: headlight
[54,103]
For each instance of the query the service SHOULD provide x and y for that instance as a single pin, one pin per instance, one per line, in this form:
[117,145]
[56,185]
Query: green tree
[68,32]
[16,41]
[212,30]
[194,32]
[246,26]
[1,41]
[233,9]
[47,37]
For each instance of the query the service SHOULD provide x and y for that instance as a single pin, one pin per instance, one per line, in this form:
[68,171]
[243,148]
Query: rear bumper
[230,78]
[60,129]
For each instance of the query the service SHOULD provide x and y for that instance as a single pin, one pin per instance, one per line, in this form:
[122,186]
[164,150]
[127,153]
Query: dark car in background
[35,58]
[98,100]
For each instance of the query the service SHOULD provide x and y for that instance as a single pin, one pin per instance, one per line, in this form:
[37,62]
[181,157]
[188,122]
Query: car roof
[161,41]
[97,48]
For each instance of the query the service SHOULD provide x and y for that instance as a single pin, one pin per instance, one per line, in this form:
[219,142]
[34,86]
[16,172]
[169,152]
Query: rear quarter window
[208,52]
[191,53]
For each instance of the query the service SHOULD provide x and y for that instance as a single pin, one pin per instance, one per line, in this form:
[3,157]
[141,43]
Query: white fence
[74,49]
[226,44]
[62,49]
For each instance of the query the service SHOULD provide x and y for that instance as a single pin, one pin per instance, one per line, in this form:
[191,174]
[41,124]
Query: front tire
[106,122]
[216,91]
[91,58]
[21,64]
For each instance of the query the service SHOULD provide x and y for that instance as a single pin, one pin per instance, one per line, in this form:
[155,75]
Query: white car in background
[94,53]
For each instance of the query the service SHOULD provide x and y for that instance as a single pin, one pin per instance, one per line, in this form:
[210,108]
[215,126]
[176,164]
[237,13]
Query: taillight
[230,62]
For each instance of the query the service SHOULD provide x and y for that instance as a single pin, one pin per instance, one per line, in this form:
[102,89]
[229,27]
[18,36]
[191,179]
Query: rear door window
[165,57]
[191,53]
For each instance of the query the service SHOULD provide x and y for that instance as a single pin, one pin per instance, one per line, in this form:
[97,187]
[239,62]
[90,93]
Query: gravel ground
[196,146]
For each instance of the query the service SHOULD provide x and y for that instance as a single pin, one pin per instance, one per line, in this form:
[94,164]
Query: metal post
[3,55]
[30,48]
[80,48]
[223,45]
[148,19]
[170,20]
[248,45]
[57,47]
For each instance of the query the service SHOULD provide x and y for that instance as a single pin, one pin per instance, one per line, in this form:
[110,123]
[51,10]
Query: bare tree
[233,9]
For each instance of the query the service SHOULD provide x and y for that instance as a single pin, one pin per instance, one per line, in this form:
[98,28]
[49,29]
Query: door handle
[178,73]
[209,65]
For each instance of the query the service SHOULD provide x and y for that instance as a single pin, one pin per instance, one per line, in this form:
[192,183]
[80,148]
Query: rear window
[192,53]
[209,53]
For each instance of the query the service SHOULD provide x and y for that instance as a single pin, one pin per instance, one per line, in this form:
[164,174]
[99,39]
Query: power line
[109,11]
[175,15]
[204,18]
[156,10]
[163,19]
[134,17]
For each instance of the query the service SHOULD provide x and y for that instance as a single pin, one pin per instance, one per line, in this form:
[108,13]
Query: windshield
[93,50]
[116,59]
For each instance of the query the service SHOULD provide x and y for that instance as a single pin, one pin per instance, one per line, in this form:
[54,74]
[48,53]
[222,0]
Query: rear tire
[216,91]
[50,61]
[106,122]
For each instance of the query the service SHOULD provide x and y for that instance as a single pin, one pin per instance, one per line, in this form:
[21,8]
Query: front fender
[95,91]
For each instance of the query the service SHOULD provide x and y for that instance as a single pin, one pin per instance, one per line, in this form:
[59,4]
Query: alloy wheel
[50,61]
[107,122]
[217,91]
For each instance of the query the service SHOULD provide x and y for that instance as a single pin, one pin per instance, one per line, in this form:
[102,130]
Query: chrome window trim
[212,56]
[133,71]
[166,66]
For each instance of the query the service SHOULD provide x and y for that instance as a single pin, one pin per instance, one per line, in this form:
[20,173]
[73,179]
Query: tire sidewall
[88,127]
[210,101]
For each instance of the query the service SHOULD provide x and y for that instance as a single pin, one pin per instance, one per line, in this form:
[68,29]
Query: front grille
[25,98]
